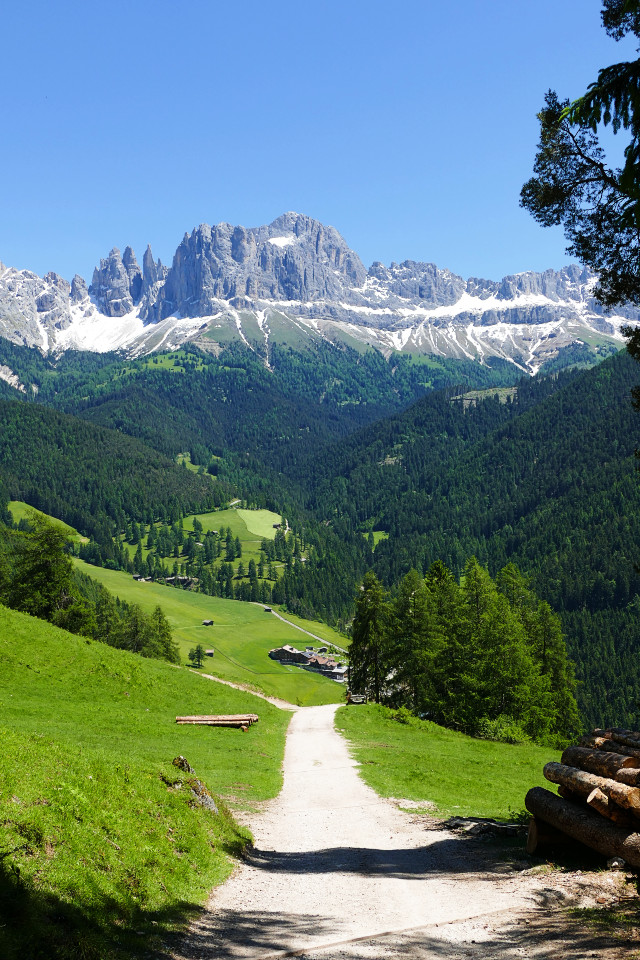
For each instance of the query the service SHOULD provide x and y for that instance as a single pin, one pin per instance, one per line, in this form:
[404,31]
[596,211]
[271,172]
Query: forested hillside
[546,480]
[539,473]
[190,399]
[91,477]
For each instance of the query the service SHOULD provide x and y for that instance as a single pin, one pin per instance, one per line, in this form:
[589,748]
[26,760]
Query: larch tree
[369,644]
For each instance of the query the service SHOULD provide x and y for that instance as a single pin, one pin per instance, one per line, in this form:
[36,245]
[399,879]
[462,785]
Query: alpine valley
[394,417]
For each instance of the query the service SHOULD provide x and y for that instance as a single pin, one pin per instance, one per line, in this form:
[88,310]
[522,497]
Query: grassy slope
[22,511]
[95,844]
[250,526]
[242,636]
[260,522]
[422,761]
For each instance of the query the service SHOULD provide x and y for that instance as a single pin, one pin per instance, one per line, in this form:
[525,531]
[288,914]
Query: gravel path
[337,870]
[276,701]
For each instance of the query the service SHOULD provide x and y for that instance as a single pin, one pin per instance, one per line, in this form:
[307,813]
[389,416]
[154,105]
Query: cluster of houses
[185,582]
[309,659]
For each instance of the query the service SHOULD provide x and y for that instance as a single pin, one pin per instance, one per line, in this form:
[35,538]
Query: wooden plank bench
[237,720]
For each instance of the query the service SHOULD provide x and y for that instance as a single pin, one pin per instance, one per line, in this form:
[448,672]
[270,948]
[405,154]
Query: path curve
[314,636]
[276,701]
[333,862]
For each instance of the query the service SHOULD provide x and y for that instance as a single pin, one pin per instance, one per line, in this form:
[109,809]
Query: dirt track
[338,872]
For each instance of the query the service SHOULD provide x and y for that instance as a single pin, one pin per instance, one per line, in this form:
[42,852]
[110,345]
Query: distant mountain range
[296,281]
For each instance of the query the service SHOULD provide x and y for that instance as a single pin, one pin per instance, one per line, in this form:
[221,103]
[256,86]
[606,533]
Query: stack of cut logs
[599,803]
[241,721]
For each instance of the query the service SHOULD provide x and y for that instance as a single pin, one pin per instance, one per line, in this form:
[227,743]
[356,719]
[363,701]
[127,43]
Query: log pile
[599,796]
[242,721]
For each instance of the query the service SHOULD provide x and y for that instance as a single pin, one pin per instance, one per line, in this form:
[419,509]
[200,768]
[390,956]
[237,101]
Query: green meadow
[327,634]
[242,635]
[251,527]
[104,848]
[22,511]
[261,523]
[418,760]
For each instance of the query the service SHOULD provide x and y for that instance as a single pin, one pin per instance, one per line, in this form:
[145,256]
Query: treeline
[37,577]
[479,655]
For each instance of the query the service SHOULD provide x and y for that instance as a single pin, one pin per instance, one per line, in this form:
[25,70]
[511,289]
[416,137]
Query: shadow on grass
[38,925]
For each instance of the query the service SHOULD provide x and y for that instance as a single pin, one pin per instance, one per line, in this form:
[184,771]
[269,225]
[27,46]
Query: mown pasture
[242,635]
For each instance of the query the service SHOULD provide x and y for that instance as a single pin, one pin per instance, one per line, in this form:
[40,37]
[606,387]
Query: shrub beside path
[336,872]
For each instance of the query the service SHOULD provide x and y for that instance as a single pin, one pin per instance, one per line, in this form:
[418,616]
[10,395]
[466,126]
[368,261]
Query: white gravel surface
[337,871]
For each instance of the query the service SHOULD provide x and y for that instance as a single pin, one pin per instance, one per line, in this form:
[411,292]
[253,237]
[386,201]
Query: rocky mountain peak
[149,269]
[134,273]
[116,285]
[296,278]
[295,258]
[78,289]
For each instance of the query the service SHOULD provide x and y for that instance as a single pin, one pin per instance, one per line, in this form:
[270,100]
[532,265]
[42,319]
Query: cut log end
[584,825]
[595,760]
[542,835]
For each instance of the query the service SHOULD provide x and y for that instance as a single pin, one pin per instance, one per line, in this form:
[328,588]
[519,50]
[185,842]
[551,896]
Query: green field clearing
[100,836]
[22,511]
[184,459]
[422,761]
[378,535]
[250,526]
[173,362]
[242,635]
[260,523]
[473,396]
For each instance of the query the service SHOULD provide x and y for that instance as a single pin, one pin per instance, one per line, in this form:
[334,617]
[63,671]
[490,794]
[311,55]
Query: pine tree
[412,643]
[369,661]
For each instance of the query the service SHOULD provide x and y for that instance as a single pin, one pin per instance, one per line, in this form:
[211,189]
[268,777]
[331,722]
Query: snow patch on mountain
[91,330]
[282,241]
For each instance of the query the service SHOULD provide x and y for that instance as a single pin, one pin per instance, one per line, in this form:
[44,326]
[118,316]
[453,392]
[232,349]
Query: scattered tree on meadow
[196,655]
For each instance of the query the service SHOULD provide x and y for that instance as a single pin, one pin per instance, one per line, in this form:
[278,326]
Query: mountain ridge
[295,281]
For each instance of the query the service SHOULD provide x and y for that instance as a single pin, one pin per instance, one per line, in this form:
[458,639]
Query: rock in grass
[183,764]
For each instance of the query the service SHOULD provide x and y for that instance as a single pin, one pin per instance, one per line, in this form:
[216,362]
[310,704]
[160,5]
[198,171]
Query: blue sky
[410,127]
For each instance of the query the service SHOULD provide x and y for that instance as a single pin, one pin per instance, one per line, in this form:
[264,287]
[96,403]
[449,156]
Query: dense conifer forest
[483,656]
[38,578]
[378,465]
